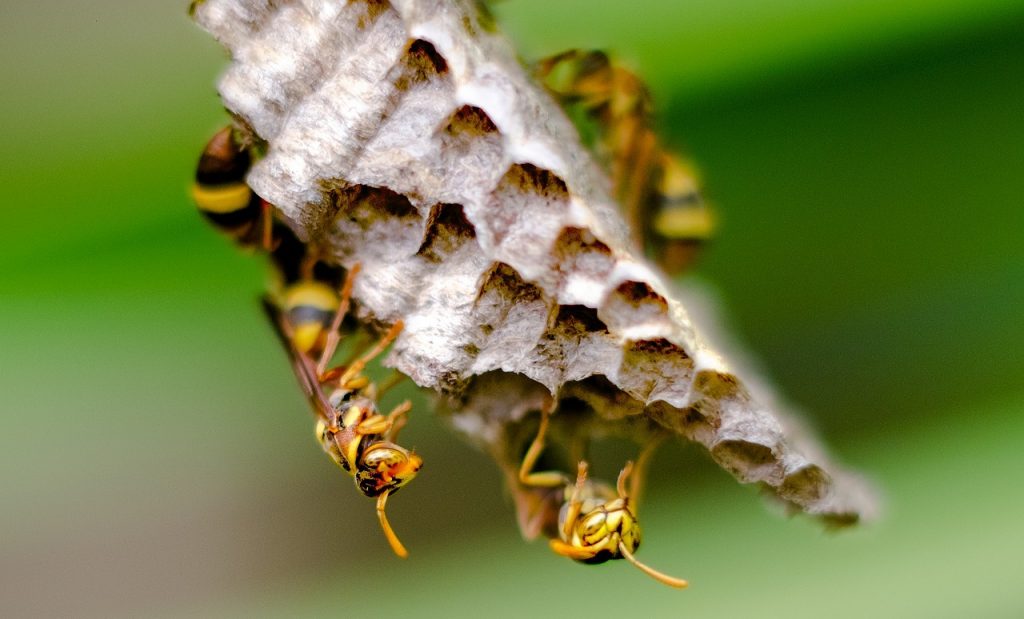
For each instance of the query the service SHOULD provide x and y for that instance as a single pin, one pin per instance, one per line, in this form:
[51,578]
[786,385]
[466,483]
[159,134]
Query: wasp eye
[630,536]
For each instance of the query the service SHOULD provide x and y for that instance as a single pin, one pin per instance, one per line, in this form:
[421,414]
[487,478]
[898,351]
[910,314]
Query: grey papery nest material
[406,136]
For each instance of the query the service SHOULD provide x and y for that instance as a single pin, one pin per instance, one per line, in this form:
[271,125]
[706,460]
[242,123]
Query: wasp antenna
[546,479]
[388,337]
[267,219]
[389,533]
[535,449]
[620,485]
[671,581]
[398,418]
[308,263]
[575,505]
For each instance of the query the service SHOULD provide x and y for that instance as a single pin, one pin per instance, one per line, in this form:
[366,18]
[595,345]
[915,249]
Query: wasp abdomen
[310,306]
[220,191]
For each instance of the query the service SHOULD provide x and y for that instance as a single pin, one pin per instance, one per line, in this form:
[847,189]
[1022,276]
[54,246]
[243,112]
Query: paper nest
[406,136]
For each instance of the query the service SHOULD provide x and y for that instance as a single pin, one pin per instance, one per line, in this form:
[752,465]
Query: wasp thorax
[386,467]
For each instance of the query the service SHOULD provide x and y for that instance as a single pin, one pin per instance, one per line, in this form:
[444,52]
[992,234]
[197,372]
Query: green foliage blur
[866,157]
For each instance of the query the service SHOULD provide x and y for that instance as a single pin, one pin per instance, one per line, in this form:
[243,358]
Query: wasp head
[599,528]
[596,524]
[385,466]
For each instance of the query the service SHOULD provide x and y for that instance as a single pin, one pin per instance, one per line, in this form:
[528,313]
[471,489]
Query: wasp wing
[301,364]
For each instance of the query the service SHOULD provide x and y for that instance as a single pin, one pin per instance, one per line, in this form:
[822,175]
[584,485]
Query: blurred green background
[867,160]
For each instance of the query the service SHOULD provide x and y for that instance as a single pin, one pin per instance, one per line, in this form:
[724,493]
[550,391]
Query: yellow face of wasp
[600,527]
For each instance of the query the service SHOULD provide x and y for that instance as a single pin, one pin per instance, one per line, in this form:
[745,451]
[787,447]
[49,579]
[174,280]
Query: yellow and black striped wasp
[349,427]
[658,190]
[306,311]
[595,522]
[305,287]
[222,195]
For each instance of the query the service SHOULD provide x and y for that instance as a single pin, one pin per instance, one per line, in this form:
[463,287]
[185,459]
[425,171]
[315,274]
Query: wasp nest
[407,137]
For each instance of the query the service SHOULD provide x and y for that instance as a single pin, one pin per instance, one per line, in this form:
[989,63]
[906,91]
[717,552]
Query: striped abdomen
[682,221]
[220,191]
[310,306]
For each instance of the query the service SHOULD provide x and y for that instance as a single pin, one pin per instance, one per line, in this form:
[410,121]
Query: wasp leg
[620,483]
[398,417]
[577,76]
[546,479]
[579,447]
[267,221]
[373,425]
[392,381]
[636,485]
[308,263]
[575,501]
[546,66]
[334,333]
[352,377]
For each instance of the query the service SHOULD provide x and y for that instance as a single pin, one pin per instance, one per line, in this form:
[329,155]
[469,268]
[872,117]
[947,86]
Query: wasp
[596,523]
[307,311]
[349,427]
[658,190]
[306,290]
[223,197]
